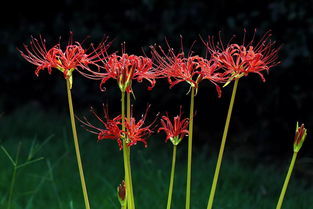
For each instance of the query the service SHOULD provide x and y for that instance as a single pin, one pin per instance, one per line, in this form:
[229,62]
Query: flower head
[124,69]
[300,136]
[176,130]
[73,57]
[239,60]
[134,131]
[176,67]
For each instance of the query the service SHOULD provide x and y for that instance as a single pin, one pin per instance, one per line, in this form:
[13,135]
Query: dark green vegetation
[53,183]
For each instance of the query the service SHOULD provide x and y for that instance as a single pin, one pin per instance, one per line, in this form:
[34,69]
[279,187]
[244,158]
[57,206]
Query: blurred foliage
[265,114]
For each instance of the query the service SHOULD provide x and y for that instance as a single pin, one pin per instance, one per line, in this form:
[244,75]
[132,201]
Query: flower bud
[300,136]
[121,193]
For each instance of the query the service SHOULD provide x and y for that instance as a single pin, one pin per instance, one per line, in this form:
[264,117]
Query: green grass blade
[8,155]
[29,162]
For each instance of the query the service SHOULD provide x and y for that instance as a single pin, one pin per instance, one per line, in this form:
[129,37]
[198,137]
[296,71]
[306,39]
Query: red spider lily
[112,127]
[71,58]
[124,69]
[176,67]
[135,132]
[174,131]
[240,60]
[300,136]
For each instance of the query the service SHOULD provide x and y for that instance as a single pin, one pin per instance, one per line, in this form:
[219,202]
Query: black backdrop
[264,114]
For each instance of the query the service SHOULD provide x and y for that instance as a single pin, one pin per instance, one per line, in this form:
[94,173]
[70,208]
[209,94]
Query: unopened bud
[121,193]
[300,136]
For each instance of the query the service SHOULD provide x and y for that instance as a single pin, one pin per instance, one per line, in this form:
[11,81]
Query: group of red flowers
[226,63]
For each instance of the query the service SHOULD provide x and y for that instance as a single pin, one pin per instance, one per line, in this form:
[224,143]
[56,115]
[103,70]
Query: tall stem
[283,191]
[190,147]
[132,198]
[170,190]
[79,161]
[221,152]
[125,154]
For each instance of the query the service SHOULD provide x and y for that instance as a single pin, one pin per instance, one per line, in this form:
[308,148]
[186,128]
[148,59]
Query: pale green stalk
[222,147]
[76,143]
[126,155]
[170,190]
[188,187]
[284,189]
[132,198]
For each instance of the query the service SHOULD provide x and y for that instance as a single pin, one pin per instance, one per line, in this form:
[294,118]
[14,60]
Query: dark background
[265,114]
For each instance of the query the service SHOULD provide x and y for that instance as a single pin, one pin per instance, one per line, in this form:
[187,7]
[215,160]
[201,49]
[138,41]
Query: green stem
[79,161]
[283,191]
[12,185]
[170,190]
[125,156]
[190,147]
[222,147]
[128,112]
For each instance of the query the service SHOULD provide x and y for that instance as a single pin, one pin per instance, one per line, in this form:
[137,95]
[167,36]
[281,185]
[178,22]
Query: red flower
[135,132]
[112,127]
[176,67]
[174,131]
[124,69]
[71,58]
[240,60]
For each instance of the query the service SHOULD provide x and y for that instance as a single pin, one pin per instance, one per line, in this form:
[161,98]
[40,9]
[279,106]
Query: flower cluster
[225,64]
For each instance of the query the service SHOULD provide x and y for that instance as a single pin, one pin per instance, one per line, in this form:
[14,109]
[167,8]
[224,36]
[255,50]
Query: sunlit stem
[12,185]
[79,161]
[283,191]
[170,190]
[190,147]
[128,109]
[222,147]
